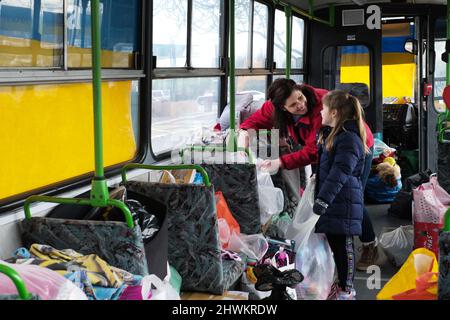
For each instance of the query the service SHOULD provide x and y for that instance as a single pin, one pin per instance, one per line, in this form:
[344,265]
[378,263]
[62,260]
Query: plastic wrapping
[254,246]
[271,199]
[45,283]
[314,258]
[398,244]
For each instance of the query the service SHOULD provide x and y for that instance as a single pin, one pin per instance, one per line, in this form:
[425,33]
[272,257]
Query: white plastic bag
[302,214]
[398,244]
[314,258]
[43,282]
[271,199]
[158,289]
[254,246]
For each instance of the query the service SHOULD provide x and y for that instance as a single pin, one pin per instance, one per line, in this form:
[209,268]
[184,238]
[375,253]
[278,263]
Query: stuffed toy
[388,171]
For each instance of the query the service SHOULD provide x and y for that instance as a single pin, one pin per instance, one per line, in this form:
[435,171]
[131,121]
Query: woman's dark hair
[279,91]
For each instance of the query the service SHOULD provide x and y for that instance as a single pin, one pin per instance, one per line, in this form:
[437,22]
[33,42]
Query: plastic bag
[254,246]
[398,244]
[431,202]
[45,283]
[227,223]
[158,289]
[416,280]
[314,258]
[302,215]
[382,148]
[271,199]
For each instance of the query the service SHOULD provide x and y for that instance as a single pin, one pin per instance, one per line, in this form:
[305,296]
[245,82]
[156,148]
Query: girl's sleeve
[346,158]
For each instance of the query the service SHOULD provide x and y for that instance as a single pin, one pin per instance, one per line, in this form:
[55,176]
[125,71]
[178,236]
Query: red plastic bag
[224,214]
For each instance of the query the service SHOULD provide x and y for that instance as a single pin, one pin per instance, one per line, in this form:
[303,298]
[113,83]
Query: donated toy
[384,181]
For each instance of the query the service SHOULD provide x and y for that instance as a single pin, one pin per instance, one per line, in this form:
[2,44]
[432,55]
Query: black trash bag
[142,216]
[416,180]
[444,164]
[402,205]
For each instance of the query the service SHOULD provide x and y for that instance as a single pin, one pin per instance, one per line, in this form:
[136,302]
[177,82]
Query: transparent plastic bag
[398,244]
[381,148]
[45,283]
[271,199]
[254,246]
[302,214]
[314,258]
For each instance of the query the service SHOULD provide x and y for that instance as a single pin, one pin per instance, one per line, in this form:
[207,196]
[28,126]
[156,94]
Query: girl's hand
[270,166]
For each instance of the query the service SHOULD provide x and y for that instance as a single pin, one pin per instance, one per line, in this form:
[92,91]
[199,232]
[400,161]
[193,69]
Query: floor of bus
[380,220]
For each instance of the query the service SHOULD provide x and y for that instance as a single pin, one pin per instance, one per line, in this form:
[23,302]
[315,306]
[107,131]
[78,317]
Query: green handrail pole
[17,280]
[78,201]
[447,221]
[332,14]
[232,144]
[288,12]
[197,167]
[99,192]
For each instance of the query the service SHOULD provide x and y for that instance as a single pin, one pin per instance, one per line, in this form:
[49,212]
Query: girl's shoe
[344,295]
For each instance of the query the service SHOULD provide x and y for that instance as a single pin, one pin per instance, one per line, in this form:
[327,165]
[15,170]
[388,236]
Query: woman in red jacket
[295,111]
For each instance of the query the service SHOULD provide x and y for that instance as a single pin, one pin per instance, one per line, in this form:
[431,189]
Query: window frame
[371,66]
[11,76]
[188,71]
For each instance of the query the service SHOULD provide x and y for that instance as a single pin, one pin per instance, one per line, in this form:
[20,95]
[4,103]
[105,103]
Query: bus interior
[169,71]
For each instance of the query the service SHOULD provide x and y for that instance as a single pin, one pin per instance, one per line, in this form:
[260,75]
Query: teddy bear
[388,171]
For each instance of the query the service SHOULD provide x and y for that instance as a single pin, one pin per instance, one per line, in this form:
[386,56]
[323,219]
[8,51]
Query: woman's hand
[270,166]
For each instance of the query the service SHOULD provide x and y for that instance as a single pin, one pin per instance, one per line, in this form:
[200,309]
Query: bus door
[345,57]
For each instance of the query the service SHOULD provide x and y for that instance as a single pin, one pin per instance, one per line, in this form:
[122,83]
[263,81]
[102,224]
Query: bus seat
[358,89]
[194,247]
[238,183]
[400,118]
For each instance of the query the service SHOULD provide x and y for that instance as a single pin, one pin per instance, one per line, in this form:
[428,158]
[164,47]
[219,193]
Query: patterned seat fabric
[240,188]
[112,241]
[194,247]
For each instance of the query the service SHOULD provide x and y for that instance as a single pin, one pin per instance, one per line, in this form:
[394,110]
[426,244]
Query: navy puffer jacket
[339,182]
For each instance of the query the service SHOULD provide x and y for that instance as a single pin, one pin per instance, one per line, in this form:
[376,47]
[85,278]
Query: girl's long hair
[279,91]
[347,108]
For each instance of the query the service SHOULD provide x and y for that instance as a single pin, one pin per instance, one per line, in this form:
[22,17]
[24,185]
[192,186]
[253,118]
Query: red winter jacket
[369,136]
[306,128]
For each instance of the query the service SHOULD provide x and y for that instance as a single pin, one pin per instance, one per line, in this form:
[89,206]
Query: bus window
[47,134]
[169,42]
[279,51]
[181,109]
[31,34]
[299,78]
[120,25]
[242,33]
[439,76]
[205,33]
[298,42]
[261,21]
[256,85]
[399,67]
[348,68]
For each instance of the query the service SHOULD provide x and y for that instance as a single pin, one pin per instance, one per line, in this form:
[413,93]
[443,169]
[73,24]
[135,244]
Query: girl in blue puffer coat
[339,191]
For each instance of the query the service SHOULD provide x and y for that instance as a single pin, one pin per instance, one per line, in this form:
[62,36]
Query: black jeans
[368,234]
[344,257]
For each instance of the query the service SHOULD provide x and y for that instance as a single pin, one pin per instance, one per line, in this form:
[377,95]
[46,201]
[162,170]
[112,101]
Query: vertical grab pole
[99,193]
[288,12]
[232,144]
